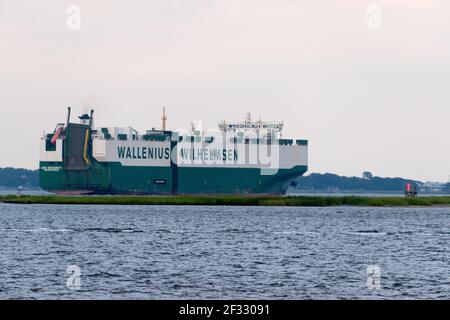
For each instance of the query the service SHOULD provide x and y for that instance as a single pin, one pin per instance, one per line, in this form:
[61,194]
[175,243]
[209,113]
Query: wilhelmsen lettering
[207,154]
[143,153]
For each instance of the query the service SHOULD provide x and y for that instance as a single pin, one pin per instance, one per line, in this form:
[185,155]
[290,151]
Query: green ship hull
[113,178]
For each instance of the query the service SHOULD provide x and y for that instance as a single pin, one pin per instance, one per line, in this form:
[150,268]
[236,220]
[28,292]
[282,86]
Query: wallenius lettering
[143,153]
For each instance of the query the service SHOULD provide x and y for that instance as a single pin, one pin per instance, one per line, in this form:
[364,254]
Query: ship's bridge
[270,130]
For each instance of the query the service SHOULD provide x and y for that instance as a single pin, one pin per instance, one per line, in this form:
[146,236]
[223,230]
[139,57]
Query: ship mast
[164,119]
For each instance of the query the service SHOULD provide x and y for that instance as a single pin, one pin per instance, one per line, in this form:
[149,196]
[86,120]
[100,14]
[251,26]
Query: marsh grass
[230,200]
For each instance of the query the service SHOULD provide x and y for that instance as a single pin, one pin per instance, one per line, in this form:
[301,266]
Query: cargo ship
[246,157]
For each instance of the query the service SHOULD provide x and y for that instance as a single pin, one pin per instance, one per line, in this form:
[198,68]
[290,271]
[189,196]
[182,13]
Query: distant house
[432,187]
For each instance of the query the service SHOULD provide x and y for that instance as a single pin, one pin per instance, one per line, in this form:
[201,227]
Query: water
[171,252]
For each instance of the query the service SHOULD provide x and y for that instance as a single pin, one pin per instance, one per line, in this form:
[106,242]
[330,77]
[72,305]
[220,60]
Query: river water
[199,252]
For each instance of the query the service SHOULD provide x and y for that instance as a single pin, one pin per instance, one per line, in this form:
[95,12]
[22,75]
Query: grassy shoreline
[300,201]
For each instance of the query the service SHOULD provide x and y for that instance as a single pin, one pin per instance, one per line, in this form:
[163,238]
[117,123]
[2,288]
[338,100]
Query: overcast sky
[367,96]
